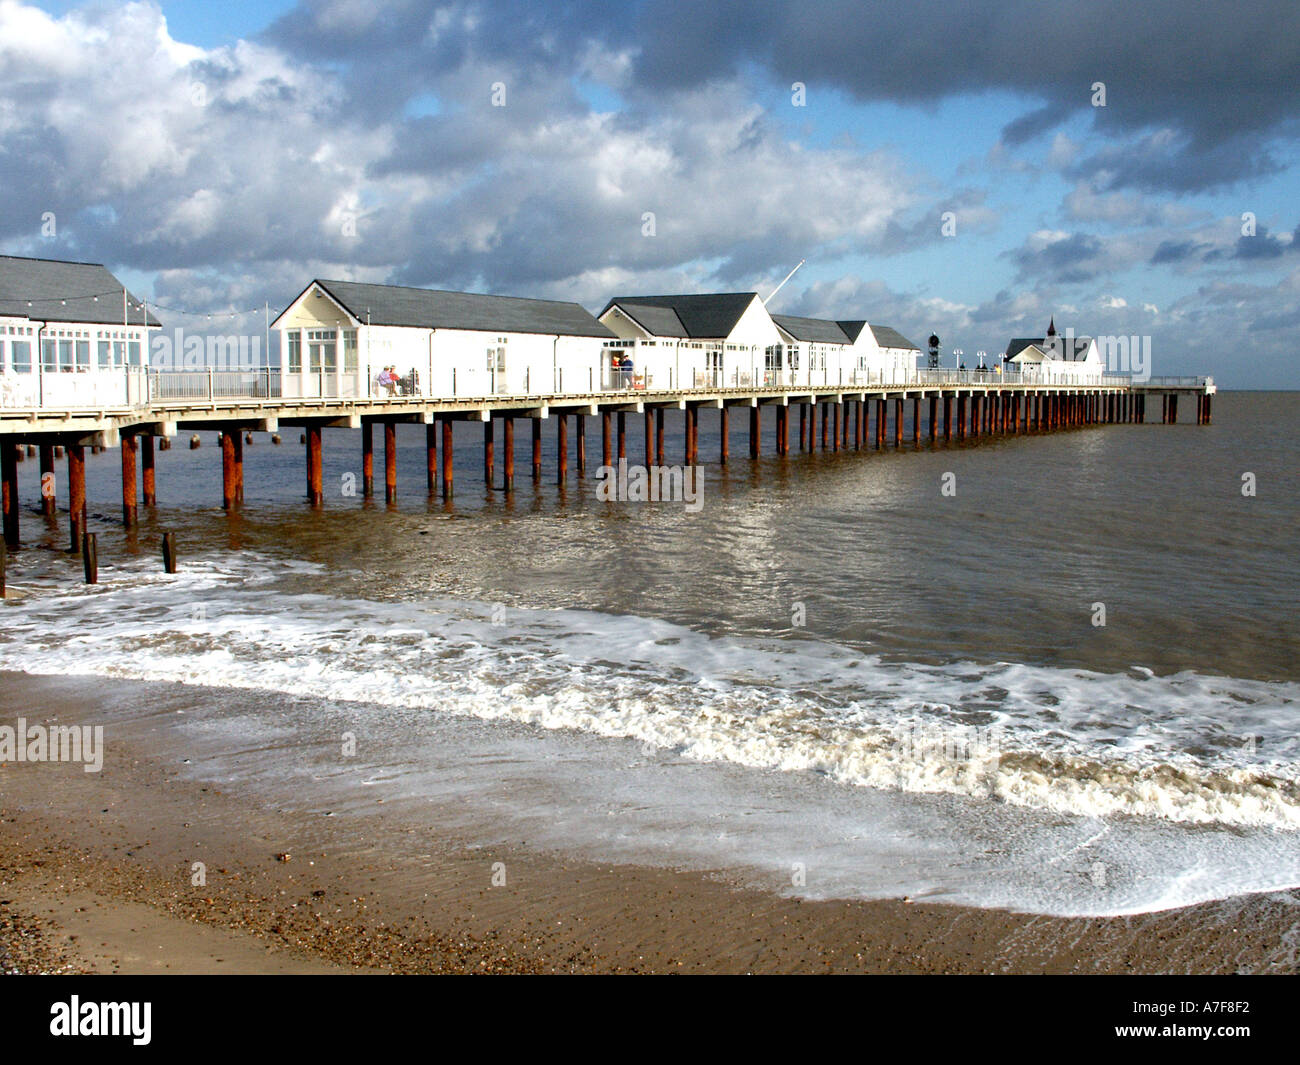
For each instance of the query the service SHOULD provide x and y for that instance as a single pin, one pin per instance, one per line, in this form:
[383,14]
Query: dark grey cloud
[1222,76]
[1070,259]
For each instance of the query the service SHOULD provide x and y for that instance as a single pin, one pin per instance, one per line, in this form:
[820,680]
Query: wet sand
[97,875]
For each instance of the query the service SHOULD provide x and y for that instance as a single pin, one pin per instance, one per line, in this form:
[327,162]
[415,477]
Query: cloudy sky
[943,167]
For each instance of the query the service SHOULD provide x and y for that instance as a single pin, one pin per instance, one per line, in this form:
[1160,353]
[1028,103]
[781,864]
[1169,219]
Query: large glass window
[294,338]
[65,356]
[349,351]
[133,351]
[322,350]
[49,355]
[83,355]
[20,355]
[105,355]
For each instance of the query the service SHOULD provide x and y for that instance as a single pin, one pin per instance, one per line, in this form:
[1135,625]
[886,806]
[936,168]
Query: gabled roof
[891,338]
[425,308]
[52,290]
[1054,347]
[704,316]
[815,330]
[852,329]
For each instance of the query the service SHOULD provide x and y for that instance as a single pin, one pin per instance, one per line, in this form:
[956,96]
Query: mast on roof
[787,278]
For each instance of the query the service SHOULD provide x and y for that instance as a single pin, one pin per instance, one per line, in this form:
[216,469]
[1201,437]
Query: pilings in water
[509,454]
[562,449]
[129,510]
[431,458]
[447,435]
[9,489]
[315,470]
[49,500]
[76,494]
[367,460]
[390,462]
[148,477]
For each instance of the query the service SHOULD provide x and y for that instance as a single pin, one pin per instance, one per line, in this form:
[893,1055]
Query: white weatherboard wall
[738,359]
[447,362]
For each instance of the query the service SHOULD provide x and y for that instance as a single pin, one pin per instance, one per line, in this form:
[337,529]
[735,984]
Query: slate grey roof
[61,291]
[852,329]
[814,330]
[1057,346]
[891,338]
[426,308]
[703,316]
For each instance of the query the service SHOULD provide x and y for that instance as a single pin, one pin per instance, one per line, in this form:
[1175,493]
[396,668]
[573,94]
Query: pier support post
[49,502]
[228,493]
[694,436]
[622,434]
[489,454]
[537,449]
[128,447]
[812,425]
[9,488]
[76,494]
[607,454]
[1208,400]
[659,436]
[961,416]
[430,458]
[916,420]
[448,435]
[934,417]
[649,438]
[835,426]
[390,462]
[882,418]
[1173,409]
[509,456]
[367,460]
[898,422]
[147,474]
[239,468]
[562,448]
[580,433]
[724,433]
[803,425]
[315,491]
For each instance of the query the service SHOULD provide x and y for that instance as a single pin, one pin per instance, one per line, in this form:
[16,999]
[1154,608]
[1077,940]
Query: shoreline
[96,871]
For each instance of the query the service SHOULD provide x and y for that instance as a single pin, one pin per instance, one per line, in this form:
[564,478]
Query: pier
[945,405]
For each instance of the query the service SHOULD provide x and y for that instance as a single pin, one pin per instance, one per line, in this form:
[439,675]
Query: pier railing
[136,388]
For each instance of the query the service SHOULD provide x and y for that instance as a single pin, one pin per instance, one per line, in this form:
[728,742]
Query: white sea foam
[1187,748]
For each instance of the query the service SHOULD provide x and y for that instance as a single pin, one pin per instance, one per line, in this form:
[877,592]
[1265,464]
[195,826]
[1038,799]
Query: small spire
[1051,327]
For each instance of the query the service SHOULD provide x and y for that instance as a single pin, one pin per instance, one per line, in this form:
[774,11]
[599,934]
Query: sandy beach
[97,871]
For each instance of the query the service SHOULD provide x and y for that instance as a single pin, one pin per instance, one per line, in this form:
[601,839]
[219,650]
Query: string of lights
[132,304]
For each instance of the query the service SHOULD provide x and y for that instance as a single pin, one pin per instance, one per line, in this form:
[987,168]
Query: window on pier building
[294,338]
[349,351]
[20,356]
[83,356]
[133,352]
[105,355]
[322,350]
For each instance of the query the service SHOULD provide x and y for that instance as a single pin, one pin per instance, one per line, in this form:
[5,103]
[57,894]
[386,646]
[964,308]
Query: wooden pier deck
[945,404]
